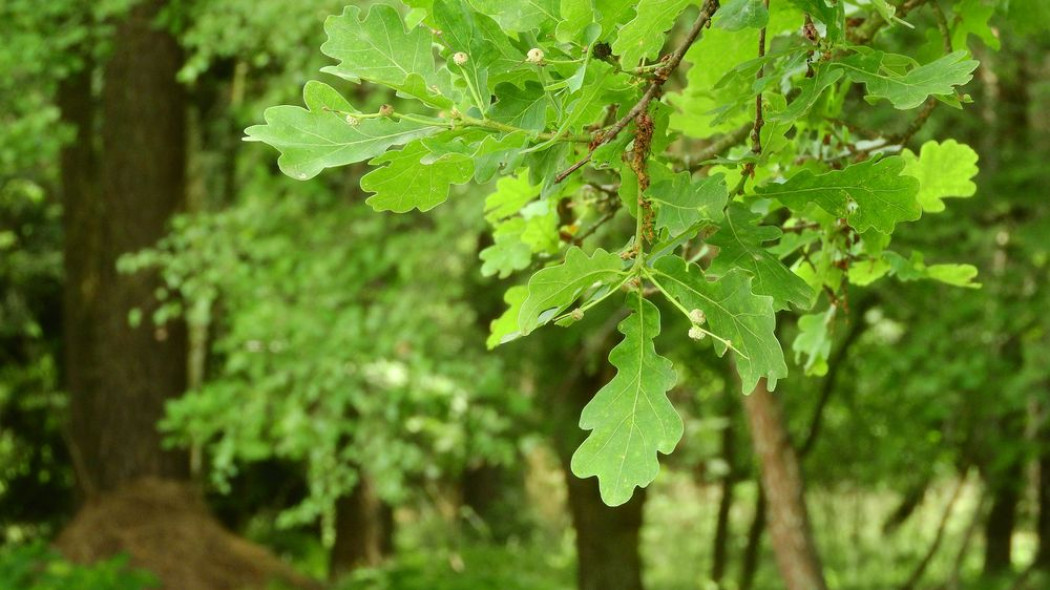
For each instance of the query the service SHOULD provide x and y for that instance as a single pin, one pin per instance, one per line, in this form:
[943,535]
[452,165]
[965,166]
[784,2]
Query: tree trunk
[720,549]
[1002,518]
[119,376]
[1042,558]
[364,530]
[749,562]
[788,519]
[606,538]
[495,495]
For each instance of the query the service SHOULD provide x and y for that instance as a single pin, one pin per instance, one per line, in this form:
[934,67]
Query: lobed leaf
[683,202]
[872,194]
[944,170]
[378,49]
[630,418]
[734,313]
[409,181]
[735,15]
[319,137]
[937,78]
[643,36]
[555,288]
[742,244]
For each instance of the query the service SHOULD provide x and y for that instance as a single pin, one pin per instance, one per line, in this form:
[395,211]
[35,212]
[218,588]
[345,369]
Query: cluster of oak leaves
[516,92]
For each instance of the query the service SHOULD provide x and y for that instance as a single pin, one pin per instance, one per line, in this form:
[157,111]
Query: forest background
[213,375]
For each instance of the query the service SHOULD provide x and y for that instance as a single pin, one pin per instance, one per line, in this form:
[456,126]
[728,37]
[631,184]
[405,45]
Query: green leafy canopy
[746,191]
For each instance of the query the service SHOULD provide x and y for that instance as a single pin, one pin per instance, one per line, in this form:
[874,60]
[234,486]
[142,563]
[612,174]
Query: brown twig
[698,160]
[756,132]
[670,63]
[938,538]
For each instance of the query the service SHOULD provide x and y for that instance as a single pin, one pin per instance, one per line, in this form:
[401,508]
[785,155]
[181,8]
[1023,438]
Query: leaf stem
[464,121]
[652,279]
[583,308]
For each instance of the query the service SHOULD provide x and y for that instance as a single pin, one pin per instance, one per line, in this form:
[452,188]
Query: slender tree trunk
[1042,558]
[749,562]
[1002,519]
[364,530]
[495,495]
[788,519]
[119,376]
[720,550]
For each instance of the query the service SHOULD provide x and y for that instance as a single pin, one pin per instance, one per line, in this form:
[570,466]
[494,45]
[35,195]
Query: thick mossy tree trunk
[787,516]
[119,376]
[607,539]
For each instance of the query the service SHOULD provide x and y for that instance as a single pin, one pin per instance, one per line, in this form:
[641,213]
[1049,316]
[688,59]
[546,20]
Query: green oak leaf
[741,244]
[499,154]
[866,272]
[643,36]
[553,289]
[516,239]
[684,202]
[408,183]
[511,194]
[320,137]
[519,16]
[630,418]
[378,49]
[944,170]
[735,15]
[490,56]
[915,268]
[814,341]
[958,275]
[505,328]
[971,18]
[524,107]
[734,313]
[811,90]
[576,15]
[508,253]
[937,78]
[872,194]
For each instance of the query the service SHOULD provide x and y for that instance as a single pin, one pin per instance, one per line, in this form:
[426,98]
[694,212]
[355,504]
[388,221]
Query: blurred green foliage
[33,566]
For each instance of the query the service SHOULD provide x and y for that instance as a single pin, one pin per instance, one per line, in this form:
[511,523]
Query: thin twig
[698,160]
[670,63]
[938,538]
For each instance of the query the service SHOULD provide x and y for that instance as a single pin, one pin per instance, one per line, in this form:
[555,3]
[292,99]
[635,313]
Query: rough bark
[788,519]
[364,530]
[120,376]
